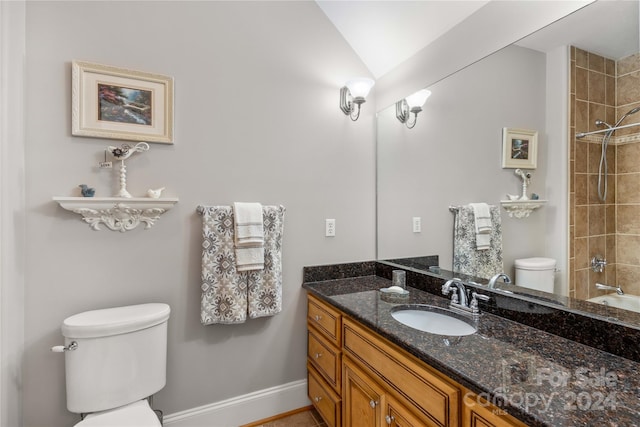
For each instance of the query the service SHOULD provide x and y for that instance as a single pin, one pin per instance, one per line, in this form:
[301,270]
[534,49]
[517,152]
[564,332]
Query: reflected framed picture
[117,103]
[519,148]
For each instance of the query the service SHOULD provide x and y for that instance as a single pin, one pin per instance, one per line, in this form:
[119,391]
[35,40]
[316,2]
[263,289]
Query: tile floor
[309,418]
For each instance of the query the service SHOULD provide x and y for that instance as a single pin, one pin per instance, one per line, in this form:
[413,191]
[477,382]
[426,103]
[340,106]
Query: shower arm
[611,129]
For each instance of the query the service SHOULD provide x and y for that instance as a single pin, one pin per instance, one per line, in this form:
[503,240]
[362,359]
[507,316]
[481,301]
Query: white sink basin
[434,320]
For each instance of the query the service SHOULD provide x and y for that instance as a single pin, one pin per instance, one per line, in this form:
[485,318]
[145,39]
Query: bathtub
[626,302]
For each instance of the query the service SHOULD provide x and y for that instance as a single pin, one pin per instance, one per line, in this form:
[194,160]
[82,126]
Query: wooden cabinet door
[436,399]
[477,412]
[397,415]
[362,398]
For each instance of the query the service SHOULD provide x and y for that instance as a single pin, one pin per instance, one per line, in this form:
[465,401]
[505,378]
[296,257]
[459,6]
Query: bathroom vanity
[367,369]
[366,380]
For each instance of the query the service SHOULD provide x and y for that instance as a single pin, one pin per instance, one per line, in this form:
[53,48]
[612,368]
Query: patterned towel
[467,259]
[229,296]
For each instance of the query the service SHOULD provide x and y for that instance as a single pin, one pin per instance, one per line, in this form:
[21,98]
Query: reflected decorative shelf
[117,213]
[521,208]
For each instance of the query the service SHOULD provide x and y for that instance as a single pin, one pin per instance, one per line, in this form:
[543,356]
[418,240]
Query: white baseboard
[244,409]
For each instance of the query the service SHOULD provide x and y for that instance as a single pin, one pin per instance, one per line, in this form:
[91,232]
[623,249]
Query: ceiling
[608,28]
[386,33]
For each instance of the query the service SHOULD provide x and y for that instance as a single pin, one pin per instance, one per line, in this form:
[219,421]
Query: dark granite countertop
[540,378]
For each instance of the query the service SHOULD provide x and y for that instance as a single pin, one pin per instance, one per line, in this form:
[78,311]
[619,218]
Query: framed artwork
[116,103]
[519,148]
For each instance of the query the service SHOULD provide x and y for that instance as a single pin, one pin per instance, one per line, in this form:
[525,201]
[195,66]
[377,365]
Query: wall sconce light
[411,104]
[353,94]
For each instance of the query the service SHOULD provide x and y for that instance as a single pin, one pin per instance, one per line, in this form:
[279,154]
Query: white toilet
[536,273]
[118,360]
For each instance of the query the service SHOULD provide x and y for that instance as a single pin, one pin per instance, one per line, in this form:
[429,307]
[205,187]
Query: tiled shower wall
[628,177]
[603,89]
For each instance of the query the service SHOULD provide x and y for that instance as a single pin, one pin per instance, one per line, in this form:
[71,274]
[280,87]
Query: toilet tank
[121,356]
[536,273]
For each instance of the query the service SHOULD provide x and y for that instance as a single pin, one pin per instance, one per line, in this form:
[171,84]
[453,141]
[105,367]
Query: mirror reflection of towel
[467,259]
[482,220]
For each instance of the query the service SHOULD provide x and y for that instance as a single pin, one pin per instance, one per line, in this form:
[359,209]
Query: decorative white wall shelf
[521,208]
[117,213]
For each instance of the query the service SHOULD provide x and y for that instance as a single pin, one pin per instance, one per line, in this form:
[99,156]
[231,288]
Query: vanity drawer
[436,400]
[325,400]
[325,358]
[325,319]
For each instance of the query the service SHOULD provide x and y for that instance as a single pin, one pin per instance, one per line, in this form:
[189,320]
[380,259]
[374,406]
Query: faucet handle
[474,301]
[446,288]
[454,298]
[598,263]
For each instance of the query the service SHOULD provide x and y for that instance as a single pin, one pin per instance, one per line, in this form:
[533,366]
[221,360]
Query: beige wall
[604,89]
[256,119]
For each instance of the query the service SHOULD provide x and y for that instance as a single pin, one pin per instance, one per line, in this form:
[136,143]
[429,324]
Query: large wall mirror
[453,155]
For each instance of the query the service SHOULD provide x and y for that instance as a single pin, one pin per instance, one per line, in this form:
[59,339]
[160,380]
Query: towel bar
[454,209]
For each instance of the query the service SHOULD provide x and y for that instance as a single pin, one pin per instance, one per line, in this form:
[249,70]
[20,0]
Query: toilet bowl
[137,414]
[115,359]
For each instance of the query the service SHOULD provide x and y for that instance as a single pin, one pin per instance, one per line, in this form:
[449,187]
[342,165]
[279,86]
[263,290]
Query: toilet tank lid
[537,263]
[114,321]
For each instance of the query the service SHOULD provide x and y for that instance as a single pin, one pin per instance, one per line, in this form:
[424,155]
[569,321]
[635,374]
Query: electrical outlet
[329,227]
[417,224]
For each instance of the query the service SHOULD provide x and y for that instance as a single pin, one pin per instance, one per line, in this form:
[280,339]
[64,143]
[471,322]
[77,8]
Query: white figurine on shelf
[122,153]
[155,194]
[526,179]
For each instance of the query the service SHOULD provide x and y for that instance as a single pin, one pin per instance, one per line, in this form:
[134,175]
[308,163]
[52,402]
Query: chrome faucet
[460,299]
[494,279]
[618,289]
[457,298]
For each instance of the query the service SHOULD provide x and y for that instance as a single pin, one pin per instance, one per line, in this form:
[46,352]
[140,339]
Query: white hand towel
[248,224]
[483,225]
[248,236]
[249,258]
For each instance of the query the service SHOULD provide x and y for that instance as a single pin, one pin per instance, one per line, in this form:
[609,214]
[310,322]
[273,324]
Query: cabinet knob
[318,355]
[389,419]
[317,317]
[317,399]
[373,403]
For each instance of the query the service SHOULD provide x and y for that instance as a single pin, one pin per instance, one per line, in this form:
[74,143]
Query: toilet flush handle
[62,348]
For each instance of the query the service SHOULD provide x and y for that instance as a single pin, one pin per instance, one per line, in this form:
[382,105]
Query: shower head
[627,114]
[600,123]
